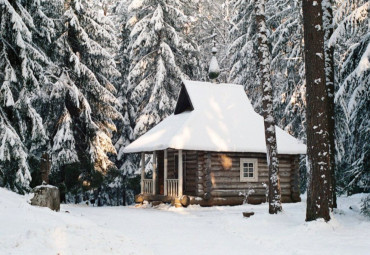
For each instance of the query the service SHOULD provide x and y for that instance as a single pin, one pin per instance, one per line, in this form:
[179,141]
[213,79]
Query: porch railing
[172,187]
[148,186]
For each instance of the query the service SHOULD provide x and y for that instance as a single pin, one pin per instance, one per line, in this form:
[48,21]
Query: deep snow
[166,230]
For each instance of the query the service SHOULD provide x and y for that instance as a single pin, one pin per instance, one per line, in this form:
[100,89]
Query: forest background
[81,79]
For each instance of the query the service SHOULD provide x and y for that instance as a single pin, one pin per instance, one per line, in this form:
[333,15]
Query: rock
[46,196]
[248,214]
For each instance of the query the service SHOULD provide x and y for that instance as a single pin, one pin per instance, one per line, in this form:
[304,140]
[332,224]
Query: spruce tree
[243,50]
[160,56]
[125,162]
[23,76]
[82,122]
[327,6]
[319,197]
[286,43]
[351,38]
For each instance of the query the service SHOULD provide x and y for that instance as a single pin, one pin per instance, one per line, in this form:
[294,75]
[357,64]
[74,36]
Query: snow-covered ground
[25,229]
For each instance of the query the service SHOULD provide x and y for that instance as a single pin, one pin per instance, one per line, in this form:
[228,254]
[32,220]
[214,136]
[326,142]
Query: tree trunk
[269,121]
[329,71]
[318,144]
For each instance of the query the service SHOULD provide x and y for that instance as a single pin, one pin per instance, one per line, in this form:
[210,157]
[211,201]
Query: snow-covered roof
[213,117]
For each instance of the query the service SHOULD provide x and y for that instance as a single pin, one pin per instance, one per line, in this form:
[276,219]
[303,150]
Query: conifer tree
[327,6]
[286,42]
[23,69]
[82,122]
[351,38]
[243,50]
[160,56]
[125,162]
[318,148]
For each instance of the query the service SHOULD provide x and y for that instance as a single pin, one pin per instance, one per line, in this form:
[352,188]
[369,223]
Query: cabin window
[248,170]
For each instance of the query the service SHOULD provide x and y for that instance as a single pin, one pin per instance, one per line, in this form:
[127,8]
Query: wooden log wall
[295,179]
[190,168]
[225,176]
[211,176]
[200,178]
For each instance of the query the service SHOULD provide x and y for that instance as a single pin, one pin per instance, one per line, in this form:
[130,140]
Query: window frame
[255,169]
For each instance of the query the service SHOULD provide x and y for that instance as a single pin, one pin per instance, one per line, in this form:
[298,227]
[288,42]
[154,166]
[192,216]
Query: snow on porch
[222,119]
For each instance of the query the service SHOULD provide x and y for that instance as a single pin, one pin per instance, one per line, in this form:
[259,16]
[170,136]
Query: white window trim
[255,170]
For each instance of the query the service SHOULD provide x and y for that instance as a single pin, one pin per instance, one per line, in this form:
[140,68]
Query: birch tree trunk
[318,144]
[329,72]
[269,121]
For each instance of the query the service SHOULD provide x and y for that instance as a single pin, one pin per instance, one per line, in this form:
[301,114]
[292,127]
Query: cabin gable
[183,102]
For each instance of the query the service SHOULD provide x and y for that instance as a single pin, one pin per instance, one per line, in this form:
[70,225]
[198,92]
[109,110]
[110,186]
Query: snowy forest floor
[25,229]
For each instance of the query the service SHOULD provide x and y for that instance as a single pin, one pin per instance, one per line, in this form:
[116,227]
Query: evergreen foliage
[23,68]
[160,56]
[351,39]
[81,79]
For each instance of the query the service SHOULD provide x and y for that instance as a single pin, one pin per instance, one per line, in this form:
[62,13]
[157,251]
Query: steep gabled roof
[213,117]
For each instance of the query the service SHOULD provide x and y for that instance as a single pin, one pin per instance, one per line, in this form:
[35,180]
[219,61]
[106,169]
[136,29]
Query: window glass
[248,169]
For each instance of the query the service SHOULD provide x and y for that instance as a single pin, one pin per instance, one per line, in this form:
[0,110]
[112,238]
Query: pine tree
[329,72]
[160,55]
[318,151]
[286,43]
[243,50]
[23,76]
[125,162]
[82,121]
[268,115]
[286,40]
[351,38]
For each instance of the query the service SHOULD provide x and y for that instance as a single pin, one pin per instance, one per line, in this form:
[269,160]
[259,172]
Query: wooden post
[142,171]
[165,172]
[181,177]
[154,172]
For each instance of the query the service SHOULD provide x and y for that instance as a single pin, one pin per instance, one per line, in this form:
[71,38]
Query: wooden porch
[169,173]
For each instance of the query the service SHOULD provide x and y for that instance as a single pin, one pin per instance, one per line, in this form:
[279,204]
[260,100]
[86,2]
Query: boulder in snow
[46,196]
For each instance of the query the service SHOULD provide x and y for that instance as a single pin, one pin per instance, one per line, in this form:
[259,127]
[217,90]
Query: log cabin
[212,151]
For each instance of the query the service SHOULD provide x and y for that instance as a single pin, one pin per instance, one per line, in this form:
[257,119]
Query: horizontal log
[281,174]
[240,192]
[226,173]
[218,166]
[216,201]
[236,179]
[245,185]
[236,158]
[200,192]
[237,168]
